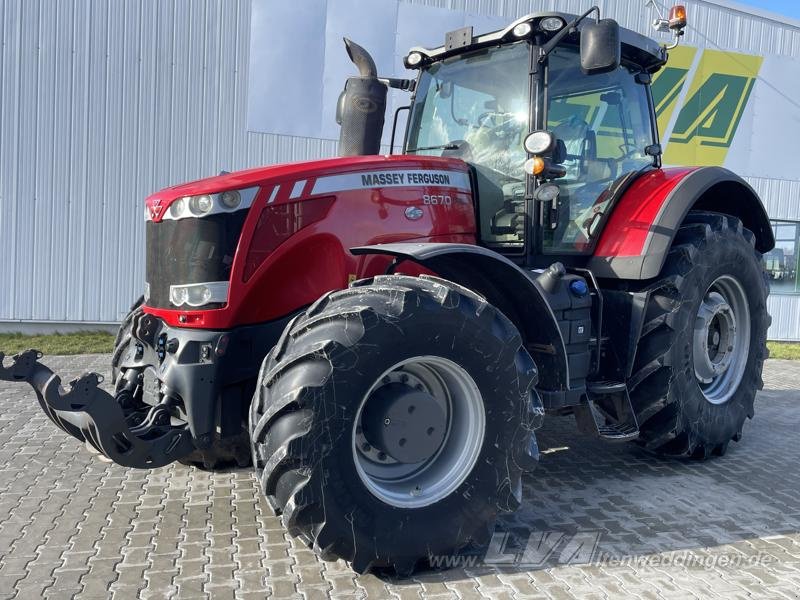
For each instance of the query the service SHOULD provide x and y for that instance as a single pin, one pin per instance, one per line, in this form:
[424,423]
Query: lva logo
[712,107]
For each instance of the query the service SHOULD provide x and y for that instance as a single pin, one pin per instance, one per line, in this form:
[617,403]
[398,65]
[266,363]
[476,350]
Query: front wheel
[699,360]
[124,337]
[393,420]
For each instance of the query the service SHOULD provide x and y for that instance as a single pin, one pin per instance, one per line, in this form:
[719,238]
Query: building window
[784,261]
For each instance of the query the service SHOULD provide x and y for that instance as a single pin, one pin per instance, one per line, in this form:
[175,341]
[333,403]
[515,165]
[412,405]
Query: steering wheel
[504,129]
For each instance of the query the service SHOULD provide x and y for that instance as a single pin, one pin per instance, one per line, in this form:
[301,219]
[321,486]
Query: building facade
[105,101]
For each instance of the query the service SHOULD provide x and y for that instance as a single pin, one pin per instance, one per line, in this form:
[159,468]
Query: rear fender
[639,233]
[506,286]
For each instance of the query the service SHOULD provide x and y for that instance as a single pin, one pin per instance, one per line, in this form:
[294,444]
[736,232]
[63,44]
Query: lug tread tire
[224,454]
[663,389]
[124,337]
[291,437]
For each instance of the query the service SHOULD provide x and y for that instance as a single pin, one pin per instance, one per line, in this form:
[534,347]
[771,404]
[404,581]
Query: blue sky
[784,7]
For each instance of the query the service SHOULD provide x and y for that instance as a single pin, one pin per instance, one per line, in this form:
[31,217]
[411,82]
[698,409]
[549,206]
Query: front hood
[304,173]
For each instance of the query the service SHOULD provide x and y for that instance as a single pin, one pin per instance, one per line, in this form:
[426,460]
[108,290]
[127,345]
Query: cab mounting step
[608,412]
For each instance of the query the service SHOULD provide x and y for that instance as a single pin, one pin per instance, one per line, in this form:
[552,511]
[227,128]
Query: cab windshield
[476,107]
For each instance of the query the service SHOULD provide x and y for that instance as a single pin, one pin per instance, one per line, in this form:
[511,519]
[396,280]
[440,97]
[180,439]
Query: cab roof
[636,48]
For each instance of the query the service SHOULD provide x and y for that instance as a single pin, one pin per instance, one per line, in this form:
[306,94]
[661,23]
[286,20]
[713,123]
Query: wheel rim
[424,386]
[721,339]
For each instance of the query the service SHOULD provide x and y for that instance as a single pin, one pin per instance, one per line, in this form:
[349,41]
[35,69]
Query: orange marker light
[534,166]
[677,17]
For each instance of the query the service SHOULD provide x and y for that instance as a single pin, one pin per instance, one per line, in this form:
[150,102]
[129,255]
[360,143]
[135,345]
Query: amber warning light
[675,23]
[677,17]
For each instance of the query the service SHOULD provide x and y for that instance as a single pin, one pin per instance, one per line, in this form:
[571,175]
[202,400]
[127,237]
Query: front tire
[124,337]
[703,343]
[326,456]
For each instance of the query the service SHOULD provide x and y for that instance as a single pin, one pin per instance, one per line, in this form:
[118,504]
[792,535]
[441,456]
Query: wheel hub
[714,337]
[721,339]
[418,431]
[403,422]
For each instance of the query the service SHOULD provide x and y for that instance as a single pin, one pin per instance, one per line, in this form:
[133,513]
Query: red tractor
[382,335]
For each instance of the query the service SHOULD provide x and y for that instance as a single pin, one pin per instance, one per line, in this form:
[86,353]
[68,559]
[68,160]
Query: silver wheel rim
[721,339]
[414,485]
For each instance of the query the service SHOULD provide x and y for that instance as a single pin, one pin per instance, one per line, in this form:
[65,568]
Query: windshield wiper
[447,146]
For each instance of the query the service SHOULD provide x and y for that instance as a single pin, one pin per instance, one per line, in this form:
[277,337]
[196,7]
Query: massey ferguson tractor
[382,334]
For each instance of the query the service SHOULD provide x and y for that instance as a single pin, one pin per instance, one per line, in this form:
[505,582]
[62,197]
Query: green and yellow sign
[669,82]
[700,97]
[720,86]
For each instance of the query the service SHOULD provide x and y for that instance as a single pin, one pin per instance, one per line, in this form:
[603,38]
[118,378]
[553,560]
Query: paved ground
[730,528]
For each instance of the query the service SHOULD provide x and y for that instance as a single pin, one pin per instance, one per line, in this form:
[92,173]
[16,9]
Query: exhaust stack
[362,106]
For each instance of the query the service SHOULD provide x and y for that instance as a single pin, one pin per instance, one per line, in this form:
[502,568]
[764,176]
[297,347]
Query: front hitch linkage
[95,417]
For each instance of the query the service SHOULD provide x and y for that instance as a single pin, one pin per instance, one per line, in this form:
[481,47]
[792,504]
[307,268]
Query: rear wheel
[393,420]
[699,360]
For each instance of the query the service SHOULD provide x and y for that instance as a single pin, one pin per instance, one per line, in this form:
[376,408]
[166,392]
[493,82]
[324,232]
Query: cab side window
[605,124]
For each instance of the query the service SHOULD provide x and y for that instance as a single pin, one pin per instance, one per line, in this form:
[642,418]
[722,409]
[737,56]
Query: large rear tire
[345,373]
[703,344]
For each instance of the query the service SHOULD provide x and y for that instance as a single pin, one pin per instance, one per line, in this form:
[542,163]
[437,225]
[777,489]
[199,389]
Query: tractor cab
[555,116]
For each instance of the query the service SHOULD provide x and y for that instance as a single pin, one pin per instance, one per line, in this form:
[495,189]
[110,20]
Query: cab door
[607,127]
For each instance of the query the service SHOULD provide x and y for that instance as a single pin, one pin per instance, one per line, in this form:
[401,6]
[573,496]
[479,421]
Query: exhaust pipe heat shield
[362,106]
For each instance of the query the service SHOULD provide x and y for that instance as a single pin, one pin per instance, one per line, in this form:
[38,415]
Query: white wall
[104,102]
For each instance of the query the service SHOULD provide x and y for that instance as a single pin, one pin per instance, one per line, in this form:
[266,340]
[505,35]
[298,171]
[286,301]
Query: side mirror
[601,49]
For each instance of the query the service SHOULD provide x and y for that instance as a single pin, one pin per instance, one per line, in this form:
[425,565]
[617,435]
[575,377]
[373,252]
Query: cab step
[607,412]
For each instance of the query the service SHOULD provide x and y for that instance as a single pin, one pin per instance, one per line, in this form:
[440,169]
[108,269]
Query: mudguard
[505,285]
[638,235]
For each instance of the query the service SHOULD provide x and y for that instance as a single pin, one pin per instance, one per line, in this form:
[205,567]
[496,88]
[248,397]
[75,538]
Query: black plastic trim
[195,373]
[505,285]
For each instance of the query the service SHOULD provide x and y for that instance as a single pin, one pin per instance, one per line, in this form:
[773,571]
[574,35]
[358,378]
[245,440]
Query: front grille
[190,251]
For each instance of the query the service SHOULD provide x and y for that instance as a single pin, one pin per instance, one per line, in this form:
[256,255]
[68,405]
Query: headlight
[551,24]
[199,294]
[201,205]
[177,208]
[209,204]
[522,30]
[547,192]
[178,294]
[539,142]
[231,199]
[414,59]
